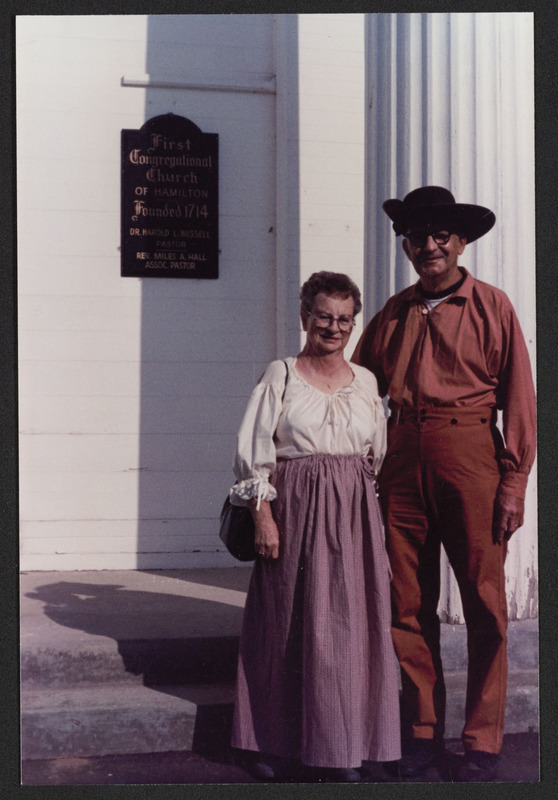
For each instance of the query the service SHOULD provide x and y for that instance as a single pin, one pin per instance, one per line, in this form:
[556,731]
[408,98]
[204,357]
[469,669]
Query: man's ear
[406,248]
[461,245]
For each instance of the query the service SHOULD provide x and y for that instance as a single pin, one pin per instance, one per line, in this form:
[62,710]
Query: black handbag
[237,531]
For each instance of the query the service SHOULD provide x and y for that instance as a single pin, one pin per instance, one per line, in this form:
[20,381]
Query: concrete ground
[127,678]
[519,762]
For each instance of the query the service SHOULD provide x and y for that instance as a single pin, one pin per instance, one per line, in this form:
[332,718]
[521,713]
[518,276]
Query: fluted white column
[320,156]
[450,102]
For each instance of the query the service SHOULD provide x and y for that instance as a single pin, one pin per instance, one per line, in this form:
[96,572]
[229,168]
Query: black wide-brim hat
[435,206]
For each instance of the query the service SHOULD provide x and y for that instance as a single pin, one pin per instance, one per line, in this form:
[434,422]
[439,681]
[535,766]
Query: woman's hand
[266,537]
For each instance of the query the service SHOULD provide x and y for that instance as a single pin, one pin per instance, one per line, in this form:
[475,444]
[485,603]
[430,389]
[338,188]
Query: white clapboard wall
[131,390]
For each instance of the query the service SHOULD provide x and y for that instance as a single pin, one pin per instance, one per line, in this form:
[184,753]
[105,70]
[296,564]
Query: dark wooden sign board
[170,202]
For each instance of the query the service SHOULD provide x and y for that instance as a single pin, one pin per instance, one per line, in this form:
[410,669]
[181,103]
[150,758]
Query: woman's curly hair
[330,283]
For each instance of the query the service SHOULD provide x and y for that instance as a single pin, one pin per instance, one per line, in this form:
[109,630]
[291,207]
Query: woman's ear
[304,319]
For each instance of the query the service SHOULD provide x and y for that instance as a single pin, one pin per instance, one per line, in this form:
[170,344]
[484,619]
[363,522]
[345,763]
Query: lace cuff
[258,486]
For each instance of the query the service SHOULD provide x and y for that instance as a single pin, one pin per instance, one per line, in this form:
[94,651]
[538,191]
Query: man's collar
[460,295]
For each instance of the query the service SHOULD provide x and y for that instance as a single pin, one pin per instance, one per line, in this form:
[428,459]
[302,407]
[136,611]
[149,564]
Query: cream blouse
[306,421]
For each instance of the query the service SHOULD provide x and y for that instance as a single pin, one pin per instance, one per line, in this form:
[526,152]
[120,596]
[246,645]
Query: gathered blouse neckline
[321,391]
[304,421]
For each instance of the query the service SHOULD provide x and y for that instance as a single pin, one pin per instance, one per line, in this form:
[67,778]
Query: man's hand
[509,512]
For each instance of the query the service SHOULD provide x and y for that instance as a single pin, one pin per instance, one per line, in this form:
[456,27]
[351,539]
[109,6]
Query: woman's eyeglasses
[326,321]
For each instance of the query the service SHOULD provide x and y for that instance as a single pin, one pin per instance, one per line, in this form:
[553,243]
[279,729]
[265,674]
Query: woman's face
[323,324]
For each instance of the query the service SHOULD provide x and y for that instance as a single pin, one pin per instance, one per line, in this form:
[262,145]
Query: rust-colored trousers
[438,486]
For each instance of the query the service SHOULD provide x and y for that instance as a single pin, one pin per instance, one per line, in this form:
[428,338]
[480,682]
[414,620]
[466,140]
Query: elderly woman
[317,684]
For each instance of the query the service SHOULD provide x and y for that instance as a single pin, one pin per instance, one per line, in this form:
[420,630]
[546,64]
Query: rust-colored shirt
[467,351]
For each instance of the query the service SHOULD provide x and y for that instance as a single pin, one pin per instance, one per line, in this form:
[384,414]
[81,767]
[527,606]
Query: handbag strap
[286,379]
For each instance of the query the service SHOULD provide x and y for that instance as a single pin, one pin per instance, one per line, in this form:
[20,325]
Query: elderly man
[449,352]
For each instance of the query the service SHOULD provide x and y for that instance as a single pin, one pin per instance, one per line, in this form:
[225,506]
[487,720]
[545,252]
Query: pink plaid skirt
[317,673]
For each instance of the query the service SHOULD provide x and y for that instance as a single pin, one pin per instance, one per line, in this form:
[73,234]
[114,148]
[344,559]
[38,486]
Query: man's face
[434,254]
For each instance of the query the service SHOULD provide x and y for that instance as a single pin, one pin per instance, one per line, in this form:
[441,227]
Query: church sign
[170,209]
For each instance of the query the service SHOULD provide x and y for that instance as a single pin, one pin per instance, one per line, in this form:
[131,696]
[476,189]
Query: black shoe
[376,771]
[478,766]
[334,775]
[418,756]
[272,768]
[263,770]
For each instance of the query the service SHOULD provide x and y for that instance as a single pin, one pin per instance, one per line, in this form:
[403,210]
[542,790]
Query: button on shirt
[466,351]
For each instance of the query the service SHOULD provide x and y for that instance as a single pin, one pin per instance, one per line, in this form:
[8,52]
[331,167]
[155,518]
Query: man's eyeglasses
[419,238]
[326,321]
